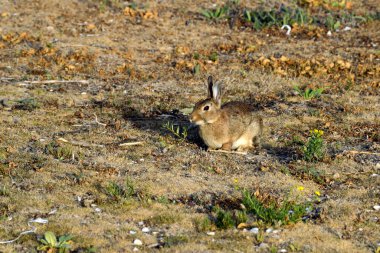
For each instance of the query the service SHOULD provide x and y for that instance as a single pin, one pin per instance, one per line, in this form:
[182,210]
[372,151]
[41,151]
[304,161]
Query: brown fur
[231,126]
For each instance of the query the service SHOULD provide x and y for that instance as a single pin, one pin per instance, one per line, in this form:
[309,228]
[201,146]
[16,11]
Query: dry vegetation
[79,79]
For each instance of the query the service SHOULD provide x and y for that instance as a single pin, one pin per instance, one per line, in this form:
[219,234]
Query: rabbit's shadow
[156,120]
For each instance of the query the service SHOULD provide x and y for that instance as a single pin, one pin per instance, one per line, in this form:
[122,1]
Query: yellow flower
[300,188]
[317,132]
[236,180]
[317,193]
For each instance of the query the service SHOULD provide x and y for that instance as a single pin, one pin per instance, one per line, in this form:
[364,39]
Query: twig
[354,152]
[96,120]
[80,143]
[57,81]
[227,152]
[31,231]
[131,143]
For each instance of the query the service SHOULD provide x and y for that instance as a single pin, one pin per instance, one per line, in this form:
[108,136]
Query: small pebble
[132,232]
[263,245]
[210,233]
[336,176]
[282,250]
[98,210]
[377,165]
[135,249]
[145,230]
[137,242]
[254,230]
[269,230]
[376,207]
[328,34]
[276,231]
[141,223]
[347,28]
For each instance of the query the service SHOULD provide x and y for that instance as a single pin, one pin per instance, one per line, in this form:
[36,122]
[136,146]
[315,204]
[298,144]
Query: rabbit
[232,126]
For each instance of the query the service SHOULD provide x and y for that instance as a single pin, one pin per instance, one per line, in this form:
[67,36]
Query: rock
[132,232]
[254,230]
[211,233]
[282,250]
[376,207]
[269,230]
[141,223]
[137,242]
[135,249]
[98,210]
[145,230]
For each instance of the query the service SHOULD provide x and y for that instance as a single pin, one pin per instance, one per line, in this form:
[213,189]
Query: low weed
[314,149]
[203,224]
[178,131]
[312,173]
[309,93]
[288,212]
[224,219]
[27,104]
[272,214]
[60,151]
[284,16]
[50,243]
[216,14]
[121,193]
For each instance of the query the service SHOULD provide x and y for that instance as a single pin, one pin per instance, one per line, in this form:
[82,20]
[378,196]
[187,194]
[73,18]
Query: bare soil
[128,71]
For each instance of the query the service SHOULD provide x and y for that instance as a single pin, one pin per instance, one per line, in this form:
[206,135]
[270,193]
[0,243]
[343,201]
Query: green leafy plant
[121,193]
[213,56]
[284,16]
[60,151]
[224,219]
[177,131]
[28,104]
[314,149]
[332,23]
[216,14]
[309,93]
[287,213]
[51,244]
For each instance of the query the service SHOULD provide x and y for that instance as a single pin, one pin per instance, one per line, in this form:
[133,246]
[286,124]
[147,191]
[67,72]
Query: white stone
[211,233]
[254,230]
[137,242]
[269,230]
[132,232]
[376,207]
[329,33]
[282,250]
[145,230]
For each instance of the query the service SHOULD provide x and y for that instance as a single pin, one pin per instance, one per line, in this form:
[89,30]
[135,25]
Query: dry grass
[138,68]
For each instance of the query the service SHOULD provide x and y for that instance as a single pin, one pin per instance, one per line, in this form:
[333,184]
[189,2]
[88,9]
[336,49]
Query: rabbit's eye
[206,108]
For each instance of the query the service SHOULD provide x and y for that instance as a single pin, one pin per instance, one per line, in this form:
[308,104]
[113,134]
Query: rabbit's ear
[214,91]
[217,94]
[209,86]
